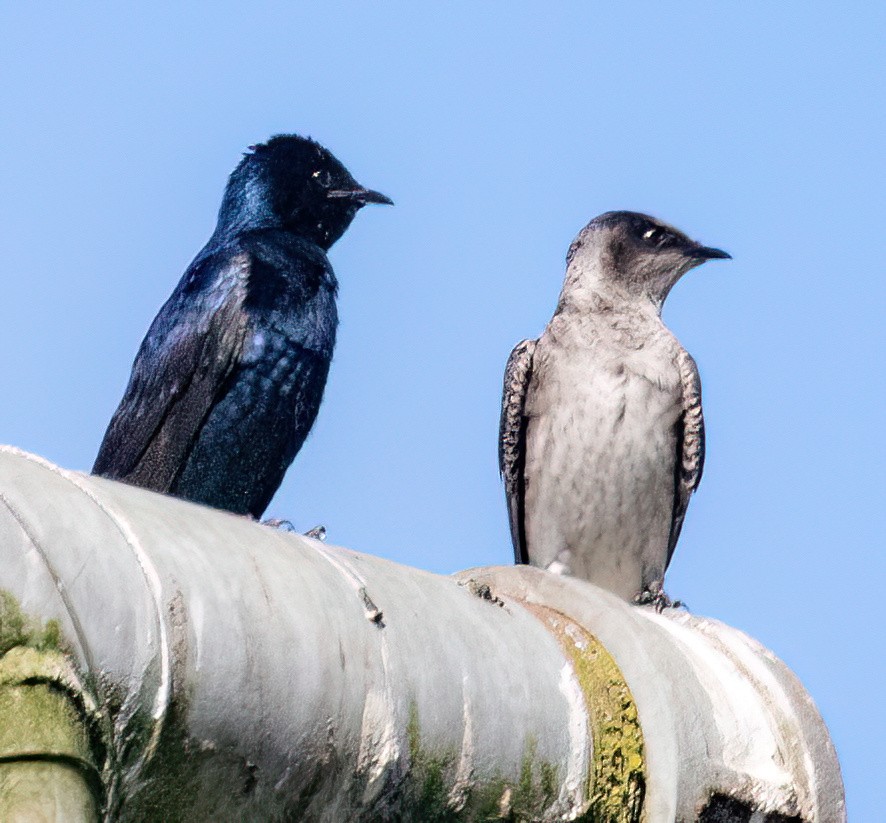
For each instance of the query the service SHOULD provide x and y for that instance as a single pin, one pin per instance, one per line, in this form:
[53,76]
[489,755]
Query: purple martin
[228,380]
[602,435]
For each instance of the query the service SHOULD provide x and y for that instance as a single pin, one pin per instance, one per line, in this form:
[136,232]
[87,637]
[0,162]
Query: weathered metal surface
[235,672]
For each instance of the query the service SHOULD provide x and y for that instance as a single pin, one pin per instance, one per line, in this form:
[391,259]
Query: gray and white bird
[602,435]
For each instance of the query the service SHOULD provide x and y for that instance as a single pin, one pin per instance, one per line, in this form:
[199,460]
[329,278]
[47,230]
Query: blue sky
[499,130]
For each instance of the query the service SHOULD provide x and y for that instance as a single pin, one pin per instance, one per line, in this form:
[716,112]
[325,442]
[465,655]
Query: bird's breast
[617,411]
[600,463]
[307,321]
[603,420]
[600,381]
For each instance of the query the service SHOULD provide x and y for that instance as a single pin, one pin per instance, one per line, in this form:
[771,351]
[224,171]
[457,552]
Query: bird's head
[636,253]
[295,183]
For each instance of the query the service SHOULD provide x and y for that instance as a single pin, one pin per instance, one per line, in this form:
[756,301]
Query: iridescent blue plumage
[228,381]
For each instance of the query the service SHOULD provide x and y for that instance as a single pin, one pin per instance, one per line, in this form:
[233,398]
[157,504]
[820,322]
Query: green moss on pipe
[616,783]
[47,769]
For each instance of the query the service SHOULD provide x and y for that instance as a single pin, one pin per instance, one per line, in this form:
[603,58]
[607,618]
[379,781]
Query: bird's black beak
[361,196]
[707,253]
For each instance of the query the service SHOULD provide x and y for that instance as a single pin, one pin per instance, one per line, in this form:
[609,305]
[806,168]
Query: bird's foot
[656,597]
[318,533]
[277,523]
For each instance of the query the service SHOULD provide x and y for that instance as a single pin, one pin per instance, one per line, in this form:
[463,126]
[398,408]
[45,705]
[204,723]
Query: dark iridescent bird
[228,380]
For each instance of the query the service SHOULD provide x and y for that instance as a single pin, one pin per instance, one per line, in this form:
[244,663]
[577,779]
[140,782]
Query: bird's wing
[512,440]
[689,461]
[190,350]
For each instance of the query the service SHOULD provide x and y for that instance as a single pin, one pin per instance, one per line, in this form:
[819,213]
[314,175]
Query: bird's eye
[656,237]
[323,177]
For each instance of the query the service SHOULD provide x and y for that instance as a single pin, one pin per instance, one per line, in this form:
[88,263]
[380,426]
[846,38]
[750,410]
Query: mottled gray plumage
[602,435]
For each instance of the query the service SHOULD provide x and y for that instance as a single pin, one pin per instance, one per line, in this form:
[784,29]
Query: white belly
[601,451]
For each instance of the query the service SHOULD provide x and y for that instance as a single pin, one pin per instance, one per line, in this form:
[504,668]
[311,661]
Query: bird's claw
[656,597]
[318,532]
[277,523]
